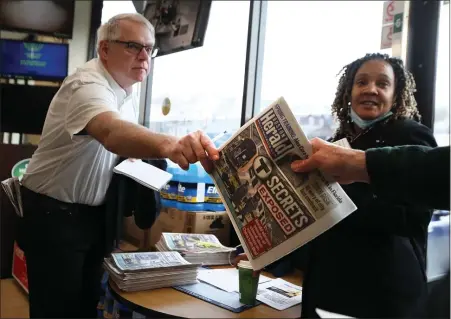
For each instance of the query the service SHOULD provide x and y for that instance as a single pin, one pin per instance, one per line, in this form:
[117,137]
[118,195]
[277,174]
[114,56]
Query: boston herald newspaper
[273,209]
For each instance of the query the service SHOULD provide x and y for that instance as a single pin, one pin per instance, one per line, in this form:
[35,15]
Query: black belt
[31,198]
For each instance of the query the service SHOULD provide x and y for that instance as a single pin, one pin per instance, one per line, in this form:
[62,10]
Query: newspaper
[149,270]
[11,186]
[279,294]
[193,243]
[274,210]
[143,173]
[205,249]
[148,260]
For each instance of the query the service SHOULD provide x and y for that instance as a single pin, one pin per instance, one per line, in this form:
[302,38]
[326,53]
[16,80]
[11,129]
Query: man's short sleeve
[87,101]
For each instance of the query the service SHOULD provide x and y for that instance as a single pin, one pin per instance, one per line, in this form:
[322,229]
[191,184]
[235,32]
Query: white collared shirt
[77,168]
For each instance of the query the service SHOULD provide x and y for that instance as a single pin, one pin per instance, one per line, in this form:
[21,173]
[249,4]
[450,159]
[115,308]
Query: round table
[168,302]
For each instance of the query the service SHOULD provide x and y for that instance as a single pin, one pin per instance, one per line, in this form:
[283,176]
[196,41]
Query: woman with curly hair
[373,263]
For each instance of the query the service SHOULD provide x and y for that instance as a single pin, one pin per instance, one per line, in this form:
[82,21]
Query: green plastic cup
[248,283]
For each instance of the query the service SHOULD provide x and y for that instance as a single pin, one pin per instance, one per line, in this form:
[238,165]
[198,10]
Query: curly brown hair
[404,105]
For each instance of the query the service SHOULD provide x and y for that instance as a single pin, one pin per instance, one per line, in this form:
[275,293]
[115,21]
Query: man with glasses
[91,121]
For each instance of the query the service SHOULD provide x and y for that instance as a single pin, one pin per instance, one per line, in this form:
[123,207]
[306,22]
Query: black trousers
[64,249]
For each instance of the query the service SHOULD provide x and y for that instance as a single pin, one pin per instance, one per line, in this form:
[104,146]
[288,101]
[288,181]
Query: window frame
[421,57]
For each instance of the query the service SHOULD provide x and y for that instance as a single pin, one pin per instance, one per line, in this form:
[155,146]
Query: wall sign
[19,168]
[392,23]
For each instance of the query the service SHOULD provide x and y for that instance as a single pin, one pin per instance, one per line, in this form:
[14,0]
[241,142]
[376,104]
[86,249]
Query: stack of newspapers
[150,270]
[197,248]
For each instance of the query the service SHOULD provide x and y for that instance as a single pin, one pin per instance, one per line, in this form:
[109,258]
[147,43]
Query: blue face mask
[364,124]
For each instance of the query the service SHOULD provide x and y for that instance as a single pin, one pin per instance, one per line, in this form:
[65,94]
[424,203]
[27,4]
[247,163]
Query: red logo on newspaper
[256,237]
[282,219]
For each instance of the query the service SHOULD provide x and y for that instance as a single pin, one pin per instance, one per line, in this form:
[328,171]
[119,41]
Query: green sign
[397,24]
[19,169]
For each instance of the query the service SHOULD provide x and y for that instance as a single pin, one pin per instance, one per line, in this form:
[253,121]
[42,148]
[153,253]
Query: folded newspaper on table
[197,248]
[11,186]
[150,270]
[279,294]
[274,210]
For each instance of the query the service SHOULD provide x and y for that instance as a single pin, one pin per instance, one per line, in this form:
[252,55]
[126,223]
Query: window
[306,45]
[441,124]
[204,85]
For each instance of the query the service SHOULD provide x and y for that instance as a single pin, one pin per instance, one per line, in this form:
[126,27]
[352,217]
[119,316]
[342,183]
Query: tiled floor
[14,300]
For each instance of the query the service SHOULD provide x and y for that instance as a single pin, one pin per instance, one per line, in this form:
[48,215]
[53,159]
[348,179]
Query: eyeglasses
[136,48]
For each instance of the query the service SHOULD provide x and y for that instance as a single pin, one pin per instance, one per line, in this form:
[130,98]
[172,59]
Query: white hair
[112,31]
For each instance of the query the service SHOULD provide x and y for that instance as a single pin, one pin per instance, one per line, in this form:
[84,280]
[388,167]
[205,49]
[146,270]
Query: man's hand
[345,165]
[191,148]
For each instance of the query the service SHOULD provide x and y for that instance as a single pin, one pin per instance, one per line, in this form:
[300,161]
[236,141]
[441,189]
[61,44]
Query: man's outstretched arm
[411,174]
[404,174]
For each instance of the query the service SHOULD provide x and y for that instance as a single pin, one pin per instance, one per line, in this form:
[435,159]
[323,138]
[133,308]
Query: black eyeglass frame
[138,47]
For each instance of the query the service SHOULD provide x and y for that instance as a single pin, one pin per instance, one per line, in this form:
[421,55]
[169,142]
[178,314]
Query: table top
[173,303]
